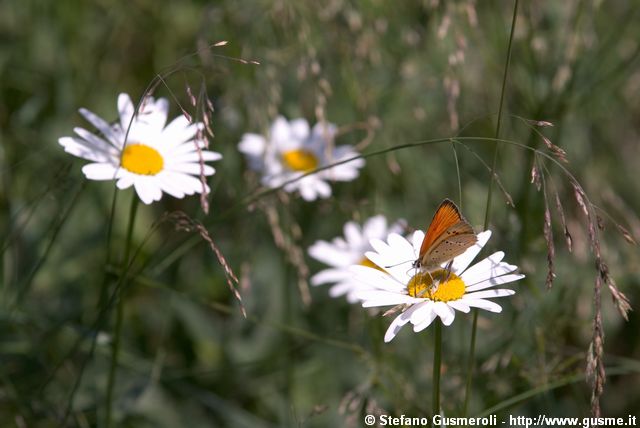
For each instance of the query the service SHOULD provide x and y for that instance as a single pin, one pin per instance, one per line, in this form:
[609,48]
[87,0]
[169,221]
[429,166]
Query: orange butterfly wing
[446,216]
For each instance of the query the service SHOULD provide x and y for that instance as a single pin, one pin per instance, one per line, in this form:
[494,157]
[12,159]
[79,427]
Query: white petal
[487,305]
[155,115]
[174,149]
[343,172]
[332,255]
[192,168]
[426,321]
[341,154]
[95,141]
[375,227]
[344,152]
[502,292]
[344,287]
[446,314]
[143,134]
[490,267]
[307,191]
[187,183]
[125,110]
[353,234]
[299,129]
[168,186]
[101,125]
[155,190]
[380,247]
[86,150]
[373,298]
[277,180]
[323,189]
[398,265]
[400,244]
[500,269]
[282,137]
[485,264]
[398,250]
[330,275]
[340,243]
[147,190]
[459,305]
[351,294]
[416,241]
[491,282]
[253,145]
[179,130]
[395,326]
[100,171]
[125,181]
[149,115]
[461,262]
[205,156]
[369,274]
[421,312]
[424,316]
[376,278]
[324,131]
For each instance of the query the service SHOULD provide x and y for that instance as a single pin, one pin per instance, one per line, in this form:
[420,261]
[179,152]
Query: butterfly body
[448,236]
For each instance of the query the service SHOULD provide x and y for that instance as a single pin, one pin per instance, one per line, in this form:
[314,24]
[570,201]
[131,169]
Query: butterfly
[448,236]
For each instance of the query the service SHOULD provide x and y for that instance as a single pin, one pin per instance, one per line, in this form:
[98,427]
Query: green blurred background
[403,71]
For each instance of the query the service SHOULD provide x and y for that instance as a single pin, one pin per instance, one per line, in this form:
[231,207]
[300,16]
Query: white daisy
[292,150]
[151,157]
[425,296]
[341,253]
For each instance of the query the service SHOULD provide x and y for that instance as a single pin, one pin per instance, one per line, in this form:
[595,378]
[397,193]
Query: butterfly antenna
[397,264]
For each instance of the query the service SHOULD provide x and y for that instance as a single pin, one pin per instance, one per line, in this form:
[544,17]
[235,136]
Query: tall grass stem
[487,213]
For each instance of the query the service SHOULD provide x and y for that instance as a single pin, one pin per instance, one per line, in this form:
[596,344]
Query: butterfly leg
[447,270]
[433,287]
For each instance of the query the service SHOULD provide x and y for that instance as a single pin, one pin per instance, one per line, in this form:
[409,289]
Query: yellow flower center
[368,263]
[141,159]
[439,285]
[300,160]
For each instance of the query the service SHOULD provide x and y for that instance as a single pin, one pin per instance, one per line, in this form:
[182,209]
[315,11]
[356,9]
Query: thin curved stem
[255,195]
[487,214]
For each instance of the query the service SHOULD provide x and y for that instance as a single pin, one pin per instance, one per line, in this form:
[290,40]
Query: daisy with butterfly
[440,281]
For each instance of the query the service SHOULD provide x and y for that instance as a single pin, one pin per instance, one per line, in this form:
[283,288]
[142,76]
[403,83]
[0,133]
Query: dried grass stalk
[287,244]
[559,153]
[185,223]
[567,236]
[535,175]
[551,249]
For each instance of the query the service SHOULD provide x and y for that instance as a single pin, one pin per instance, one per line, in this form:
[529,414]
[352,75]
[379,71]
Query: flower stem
[119,314]
[472,355]
[104,289]
[487,213]
[437,353]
